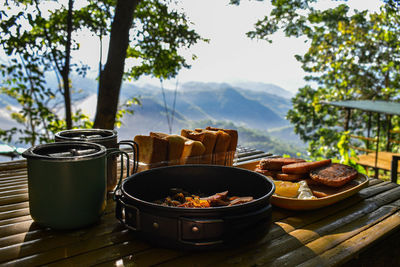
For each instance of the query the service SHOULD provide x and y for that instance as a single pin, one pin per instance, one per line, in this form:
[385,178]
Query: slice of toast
[221,147]
[207,138]
[232,145]
[152,149]
[176,145]
[192,152]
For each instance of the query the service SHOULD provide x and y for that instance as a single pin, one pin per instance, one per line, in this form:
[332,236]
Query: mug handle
[115,151]
[135,151]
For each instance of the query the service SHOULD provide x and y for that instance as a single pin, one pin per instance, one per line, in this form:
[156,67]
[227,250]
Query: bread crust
[192,152]
[233,141]
[152,149]
[233,134]
[207,138]
[221,147]
[176,145]
[334,175]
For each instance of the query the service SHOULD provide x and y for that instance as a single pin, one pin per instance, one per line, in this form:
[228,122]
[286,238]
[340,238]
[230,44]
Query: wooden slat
[384,160]
[52,241]
[372,139]
[13,214]
[13,220]
[396,141]
[12,165]
[112,252]
[250,153]
[253,157]
[93,248]
[13,191]
[12,207]
[361,149]
[329,240]
[17,181]
[274,248]
[10,175]
[14,179]
[13,188]
[11,199]
[345,250]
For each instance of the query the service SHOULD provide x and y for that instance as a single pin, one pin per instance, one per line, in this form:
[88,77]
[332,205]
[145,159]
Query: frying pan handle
[127,214]
[200,232]
[135,151]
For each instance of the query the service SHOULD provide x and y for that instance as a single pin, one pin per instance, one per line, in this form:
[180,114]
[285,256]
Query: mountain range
[203,101]
[250,105]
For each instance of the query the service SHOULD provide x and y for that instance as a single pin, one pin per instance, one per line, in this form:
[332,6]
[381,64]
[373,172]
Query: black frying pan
[194,228]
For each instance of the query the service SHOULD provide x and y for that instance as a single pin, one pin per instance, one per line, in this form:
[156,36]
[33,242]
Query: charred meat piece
[334,175]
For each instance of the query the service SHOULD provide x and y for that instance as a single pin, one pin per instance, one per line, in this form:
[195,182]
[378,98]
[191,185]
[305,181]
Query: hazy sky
[231,56]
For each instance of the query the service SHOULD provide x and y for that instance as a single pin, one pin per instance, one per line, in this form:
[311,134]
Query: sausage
[289,176]
[304,167]
[275,164]
[266,172]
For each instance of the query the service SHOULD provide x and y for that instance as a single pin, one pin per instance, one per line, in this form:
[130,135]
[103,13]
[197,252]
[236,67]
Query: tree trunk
[111,76]
[65,70]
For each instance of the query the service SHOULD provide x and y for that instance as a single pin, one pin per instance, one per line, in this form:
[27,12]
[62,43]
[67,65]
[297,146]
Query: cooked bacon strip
[218,203]
[217,196]
[241,200]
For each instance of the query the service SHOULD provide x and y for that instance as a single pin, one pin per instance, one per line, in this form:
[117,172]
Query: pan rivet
[195,229]
[156,225]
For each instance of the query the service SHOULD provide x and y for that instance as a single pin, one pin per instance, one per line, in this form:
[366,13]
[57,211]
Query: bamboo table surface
[360,229]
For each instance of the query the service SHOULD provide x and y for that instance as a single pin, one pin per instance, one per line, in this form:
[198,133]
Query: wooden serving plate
[310,204]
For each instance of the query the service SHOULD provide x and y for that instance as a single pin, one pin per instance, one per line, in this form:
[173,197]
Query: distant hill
[246,106]
[224,102]
[231,104]
[259,139]
[266,88]
[149,117]
[286,133]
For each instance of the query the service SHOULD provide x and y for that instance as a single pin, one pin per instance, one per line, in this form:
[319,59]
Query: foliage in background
[153,45]
[352,55]
[34,37]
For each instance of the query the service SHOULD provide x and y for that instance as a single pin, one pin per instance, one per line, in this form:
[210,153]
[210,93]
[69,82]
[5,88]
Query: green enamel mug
[67,183]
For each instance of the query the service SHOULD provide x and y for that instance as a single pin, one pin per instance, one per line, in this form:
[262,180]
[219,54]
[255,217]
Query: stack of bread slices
[200,146]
